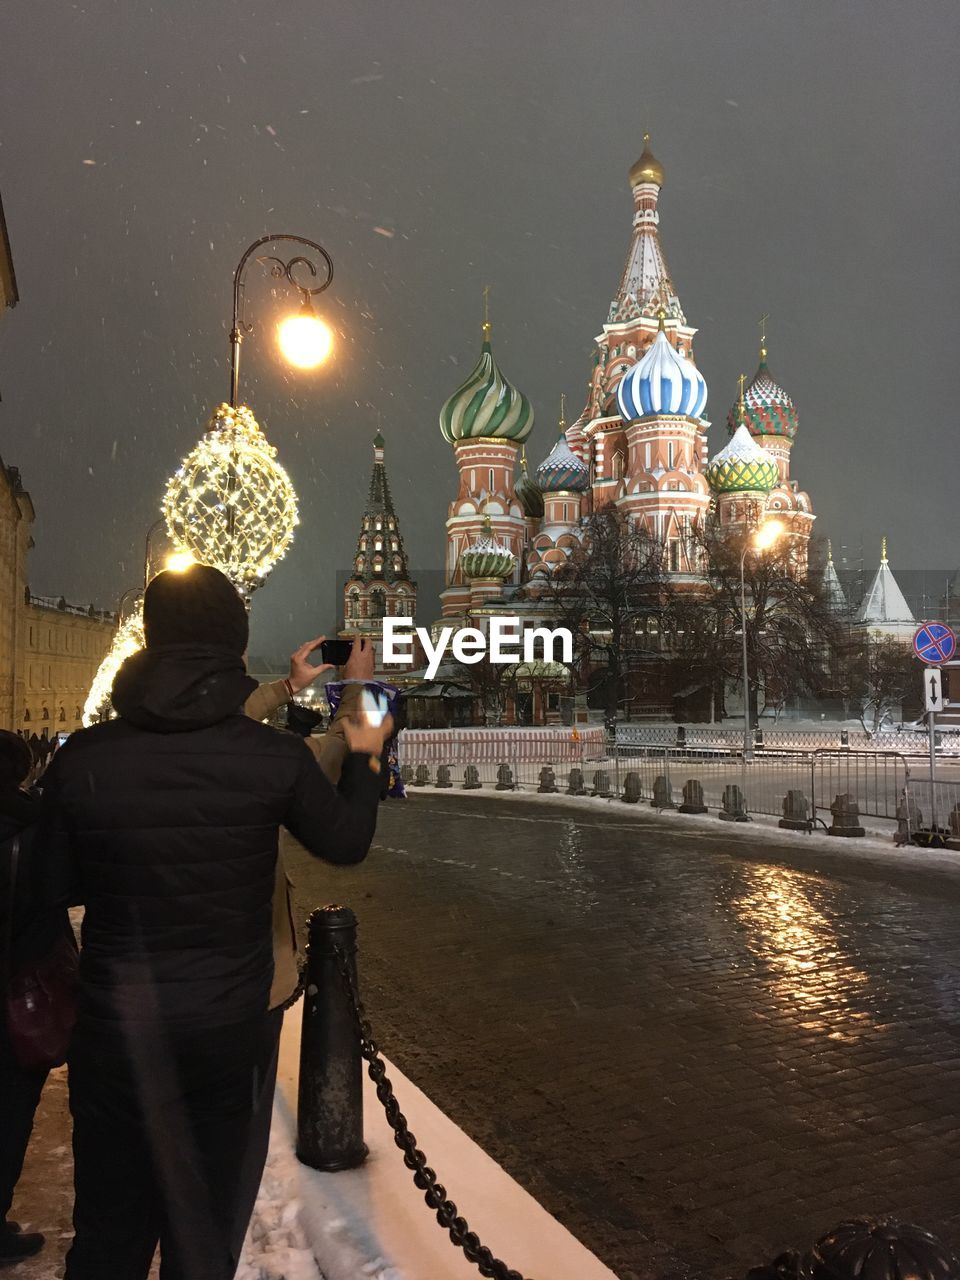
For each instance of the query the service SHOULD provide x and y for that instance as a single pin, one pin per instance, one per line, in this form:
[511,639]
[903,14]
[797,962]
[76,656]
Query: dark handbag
[41,999]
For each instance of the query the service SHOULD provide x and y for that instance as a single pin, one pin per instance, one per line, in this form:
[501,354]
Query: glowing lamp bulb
[305,340]
[767,535]
[179,561]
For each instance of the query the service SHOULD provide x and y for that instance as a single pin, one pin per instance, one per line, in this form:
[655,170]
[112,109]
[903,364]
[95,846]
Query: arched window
[396,565]
[46,714]
[62,716]
[76,713]
[378,544]
[378,604]
[353,605]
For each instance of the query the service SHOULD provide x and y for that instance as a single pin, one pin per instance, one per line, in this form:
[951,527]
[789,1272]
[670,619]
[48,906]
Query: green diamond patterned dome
[742,466]
[486,405]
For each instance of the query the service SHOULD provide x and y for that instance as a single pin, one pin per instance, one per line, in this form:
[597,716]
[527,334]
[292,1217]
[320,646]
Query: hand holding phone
[302,671]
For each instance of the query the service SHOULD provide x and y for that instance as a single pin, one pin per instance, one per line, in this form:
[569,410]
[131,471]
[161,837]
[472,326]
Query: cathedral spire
[645,286]
[884,608]
[380,584]
[380,553]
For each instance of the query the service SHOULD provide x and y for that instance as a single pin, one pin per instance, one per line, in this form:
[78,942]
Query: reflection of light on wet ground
[805,960]
[580,879]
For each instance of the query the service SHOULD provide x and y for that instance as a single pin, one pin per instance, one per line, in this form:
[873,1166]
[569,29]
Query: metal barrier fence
[907,741]
[801,786]
[932,807]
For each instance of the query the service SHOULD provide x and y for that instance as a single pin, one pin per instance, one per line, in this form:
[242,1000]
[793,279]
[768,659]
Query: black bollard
[330,1098]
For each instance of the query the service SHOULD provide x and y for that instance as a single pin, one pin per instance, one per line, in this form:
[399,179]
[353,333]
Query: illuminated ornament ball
[127,641]
[232,471]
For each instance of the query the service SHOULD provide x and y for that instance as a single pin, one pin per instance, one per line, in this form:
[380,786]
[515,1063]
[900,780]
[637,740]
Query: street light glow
[305,340]
[179,561]
[767,535]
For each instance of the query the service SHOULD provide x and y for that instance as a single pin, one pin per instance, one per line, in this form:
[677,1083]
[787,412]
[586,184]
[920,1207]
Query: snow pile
[276,1246]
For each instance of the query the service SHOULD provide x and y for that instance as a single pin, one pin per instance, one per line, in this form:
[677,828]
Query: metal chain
[434,1192]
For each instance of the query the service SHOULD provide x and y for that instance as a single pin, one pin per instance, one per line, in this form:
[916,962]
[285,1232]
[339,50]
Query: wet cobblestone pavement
[695,1049]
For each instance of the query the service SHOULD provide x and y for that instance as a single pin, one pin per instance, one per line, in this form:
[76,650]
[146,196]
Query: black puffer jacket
[169,817]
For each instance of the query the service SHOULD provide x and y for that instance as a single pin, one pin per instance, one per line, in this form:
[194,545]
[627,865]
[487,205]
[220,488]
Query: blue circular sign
[934,643]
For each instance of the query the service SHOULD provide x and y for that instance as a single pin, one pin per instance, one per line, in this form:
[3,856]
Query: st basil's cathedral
[640,443]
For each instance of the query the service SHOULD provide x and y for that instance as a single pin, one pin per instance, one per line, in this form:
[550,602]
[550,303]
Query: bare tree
[878,674]
[792,631]
[608,591]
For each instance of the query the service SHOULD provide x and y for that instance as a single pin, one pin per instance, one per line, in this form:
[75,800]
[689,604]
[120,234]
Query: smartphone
[61,738]
[336,652]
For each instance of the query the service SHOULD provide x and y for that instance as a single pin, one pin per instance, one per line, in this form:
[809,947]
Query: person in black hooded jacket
[29,929]
[169,816]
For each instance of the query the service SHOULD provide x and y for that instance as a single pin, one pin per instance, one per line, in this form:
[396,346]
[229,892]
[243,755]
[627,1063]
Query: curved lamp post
[304,338]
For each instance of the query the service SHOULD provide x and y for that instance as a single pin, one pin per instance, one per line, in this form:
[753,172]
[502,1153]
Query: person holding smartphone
[166,823]
[356,662]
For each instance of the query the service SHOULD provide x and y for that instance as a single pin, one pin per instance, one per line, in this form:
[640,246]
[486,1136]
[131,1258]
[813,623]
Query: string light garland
[231,504]
[127,640]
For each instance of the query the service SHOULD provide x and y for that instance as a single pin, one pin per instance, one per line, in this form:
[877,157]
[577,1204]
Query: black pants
[19,1094]
[166,1144]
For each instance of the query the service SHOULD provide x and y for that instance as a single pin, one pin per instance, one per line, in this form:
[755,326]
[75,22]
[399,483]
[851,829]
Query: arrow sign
[933,689]
[934,643]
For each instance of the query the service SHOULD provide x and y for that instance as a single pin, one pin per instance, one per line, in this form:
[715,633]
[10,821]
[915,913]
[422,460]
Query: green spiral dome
[486,405]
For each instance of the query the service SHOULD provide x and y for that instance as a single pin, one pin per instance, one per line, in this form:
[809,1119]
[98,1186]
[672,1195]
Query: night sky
[433,146]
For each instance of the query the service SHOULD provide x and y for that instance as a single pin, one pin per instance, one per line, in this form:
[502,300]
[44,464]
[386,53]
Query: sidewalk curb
[372,1223]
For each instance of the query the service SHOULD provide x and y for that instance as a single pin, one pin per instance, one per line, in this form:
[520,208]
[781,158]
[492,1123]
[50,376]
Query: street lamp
[231,504]
[762,540]
[304,338]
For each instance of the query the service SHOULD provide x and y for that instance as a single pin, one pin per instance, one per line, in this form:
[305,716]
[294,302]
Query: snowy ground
[276,1247]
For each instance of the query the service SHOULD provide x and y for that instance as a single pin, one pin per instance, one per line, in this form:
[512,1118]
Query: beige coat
[330,750]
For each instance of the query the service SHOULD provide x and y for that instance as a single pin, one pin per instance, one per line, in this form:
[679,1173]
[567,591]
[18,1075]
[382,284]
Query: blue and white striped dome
[663,381]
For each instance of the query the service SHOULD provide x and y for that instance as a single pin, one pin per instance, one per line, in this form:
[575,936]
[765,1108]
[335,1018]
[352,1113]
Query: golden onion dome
[648,168]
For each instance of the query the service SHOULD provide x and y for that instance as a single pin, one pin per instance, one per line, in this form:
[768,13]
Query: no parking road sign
[934,643]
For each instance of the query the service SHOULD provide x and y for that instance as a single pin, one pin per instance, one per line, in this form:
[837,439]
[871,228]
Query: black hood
[178,687]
